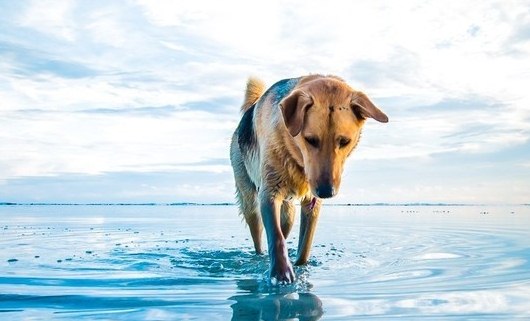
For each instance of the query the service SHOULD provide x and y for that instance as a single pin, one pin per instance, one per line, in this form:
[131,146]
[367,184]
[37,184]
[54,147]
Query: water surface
[197,263]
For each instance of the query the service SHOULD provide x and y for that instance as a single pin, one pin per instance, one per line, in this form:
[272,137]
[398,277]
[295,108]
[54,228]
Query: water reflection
[285,303]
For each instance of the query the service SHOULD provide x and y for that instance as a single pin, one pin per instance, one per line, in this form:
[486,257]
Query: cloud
[26,62]
[50,17]
[97,89]
[133,187]
[94,143]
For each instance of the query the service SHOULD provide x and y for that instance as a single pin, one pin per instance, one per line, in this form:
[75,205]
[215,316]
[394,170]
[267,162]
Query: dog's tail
[255,88]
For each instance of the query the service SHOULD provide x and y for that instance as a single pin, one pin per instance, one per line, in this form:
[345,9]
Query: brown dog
[292,142]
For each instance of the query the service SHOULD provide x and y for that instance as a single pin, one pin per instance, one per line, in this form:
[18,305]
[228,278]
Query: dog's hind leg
[246,196]
[253,219]
[308,223]
[287,217]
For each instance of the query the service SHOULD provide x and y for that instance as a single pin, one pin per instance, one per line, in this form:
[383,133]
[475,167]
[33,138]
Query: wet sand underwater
[197,263]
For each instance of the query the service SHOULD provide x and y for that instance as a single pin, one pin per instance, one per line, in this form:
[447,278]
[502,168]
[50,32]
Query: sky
[136,101]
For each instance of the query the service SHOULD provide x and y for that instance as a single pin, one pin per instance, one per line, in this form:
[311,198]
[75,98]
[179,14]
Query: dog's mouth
[313,203]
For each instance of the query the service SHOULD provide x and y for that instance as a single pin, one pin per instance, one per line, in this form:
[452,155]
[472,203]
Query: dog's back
[257,104]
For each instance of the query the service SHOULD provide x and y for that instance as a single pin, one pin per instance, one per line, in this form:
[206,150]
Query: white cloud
[418,60]
[50,17]
[52,92]
[52,143]
[409,190]
[106,29]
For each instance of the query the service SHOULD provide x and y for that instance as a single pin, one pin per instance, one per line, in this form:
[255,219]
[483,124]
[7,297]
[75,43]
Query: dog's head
[325,117]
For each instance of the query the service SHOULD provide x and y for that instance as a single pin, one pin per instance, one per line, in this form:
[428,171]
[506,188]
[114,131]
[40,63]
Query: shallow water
[196,263]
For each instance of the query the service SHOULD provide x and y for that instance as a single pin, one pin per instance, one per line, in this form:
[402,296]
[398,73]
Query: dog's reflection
[281,305]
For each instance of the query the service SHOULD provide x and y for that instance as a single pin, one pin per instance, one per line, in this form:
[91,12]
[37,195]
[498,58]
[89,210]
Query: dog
[291,143]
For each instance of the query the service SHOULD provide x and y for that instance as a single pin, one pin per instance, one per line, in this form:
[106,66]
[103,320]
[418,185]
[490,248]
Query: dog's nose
[325,191]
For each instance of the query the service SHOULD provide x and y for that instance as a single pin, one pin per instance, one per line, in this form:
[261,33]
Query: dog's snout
[325,191]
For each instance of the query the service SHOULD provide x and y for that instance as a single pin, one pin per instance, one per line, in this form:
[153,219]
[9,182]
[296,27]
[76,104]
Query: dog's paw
[282,273]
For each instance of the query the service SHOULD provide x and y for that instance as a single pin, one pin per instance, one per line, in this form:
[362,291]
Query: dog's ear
[362,106]
[293,109]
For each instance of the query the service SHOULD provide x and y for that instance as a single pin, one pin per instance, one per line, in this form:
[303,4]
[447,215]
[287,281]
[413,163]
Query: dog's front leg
[308,224]
[281,269]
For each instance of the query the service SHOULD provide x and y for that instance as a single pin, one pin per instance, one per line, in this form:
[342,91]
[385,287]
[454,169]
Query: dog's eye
[343,142]
[313,141]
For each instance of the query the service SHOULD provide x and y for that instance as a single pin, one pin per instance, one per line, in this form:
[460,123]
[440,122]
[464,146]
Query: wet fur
[273,165]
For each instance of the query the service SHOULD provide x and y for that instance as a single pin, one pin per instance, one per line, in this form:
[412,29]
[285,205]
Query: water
[196,263]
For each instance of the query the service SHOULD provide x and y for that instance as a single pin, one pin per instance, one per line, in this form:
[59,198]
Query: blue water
[196,263]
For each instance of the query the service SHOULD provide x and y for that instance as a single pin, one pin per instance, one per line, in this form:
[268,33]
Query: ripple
[437,256]
[376,263]
[234,262]
[406,275]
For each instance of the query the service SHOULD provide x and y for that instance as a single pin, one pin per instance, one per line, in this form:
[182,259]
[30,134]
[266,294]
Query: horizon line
[234,204]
